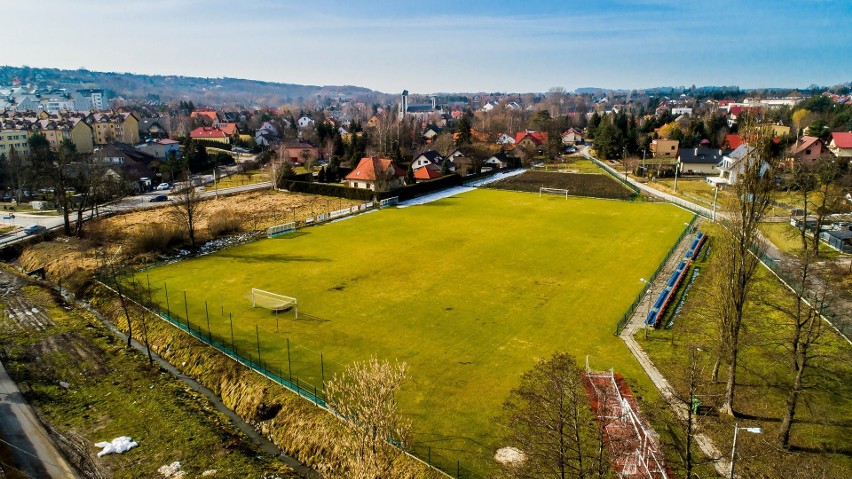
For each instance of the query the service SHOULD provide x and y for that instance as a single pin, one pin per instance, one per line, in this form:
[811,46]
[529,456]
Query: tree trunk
[728,406]
[716,366]
[790,413]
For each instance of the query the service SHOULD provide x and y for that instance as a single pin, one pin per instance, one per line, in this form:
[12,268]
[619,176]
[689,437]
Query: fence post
[257,336]
[322,372]
[186,310]
[289,366]
[209,334]
[168,308]
[231,319]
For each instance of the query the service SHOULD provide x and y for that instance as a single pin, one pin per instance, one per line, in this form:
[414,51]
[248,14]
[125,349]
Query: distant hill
[212,91]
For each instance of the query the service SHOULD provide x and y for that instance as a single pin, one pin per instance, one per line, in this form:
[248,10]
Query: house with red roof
[210,133]
[733,141]
[230,129]
[532,138]
[841,144]
[427,172]
[377,174]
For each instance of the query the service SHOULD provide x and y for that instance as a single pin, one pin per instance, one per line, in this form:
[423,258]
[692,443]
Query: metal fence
[289,374]
[641,296]
[618,176]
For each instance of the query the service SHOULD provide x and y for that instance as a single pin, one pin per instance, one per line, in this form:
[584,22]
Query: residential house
[154,127]
[500,160]
[427,172]
[207,114]
[304,122]
[160,148]
[431,132]
[733,141]
[661,148]
[377,174]
[300,152]
[210,133]
[807,149]
[14,136]
[841,144]
[229,129]
[505,139]
[733,164]
[465,160]
[699,161]
[530,139]
[430,157]
[572,137]
[681,110]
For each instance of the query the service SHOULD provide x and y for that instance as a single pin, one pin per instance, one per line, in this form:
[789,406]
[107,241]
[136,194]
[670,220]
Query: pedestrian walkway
[635,324]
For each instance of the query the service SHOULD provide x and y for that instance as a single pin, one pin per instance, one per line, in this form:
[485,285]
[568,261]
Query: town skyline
[442,47]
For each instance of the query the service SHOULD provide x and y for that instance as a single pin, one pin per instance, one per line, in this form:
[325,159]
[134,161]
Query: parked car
[158,198]
[162,187]
[34,229]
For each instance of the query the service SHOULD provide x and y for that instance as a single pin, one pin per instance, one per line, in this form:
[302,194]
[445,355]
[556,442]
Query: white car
[162,187]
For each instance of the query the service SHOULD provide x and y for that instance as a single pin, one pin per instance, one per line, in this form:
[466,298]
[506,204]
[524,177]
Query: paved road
[30,446]
[128,203]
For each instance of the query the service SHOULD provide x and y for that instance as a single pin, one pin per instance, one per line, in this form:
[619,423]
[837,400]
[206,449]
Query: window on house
[807,152]
[672,147]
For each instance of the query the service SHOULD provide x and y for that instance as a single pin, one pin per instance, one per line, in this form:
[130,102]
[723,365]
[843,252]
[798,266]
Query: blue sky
[440,46]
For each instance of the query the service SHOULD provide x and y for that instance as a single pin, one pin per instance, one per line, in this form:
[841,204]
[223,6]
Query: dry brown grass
[127,238]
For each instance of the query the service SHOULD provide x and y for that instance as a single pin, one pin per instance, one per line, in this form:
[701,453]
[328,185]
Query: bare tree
[738,247]
[187,208]
[365,397]
[548,419]
[19,170]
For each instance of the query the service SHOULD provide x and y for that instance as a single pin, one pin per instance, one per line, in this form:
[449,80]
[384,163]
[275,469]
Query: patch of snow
[510,455]
[64,384]
[172,471]
[117,446]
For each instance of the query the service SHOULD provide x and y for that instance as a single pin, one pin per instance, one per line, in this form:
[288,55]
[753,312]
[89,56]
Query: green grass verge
[786,238]
[821,439]
[470,291]
[241,179]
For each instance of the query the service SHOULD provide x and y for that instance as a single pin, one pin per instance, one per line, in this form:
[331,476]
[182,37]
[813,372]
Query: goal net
[272,301]
[281,229]
[553,191]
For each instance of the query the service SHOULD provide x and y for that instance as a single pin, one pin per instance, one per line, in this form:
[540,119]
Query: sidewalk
[636,323]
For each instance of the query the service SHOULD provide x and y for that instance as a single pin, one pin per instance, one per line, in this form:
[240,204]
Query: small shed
[838,239]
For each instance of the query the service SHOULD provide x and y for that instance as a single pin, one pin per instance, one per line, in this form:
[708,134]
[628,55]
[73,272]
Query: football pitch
[470,291]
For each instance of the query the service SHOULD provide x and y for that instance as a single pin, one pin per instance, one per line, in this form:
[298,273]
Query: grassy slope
[114,392]
[469,291]
[787,238]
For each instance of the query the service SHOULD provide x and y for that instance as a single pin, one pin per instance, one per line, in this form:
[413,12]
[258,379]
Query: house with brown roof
[661,148]
[807,149]
[427,172]
[377,174]
[205,113]
[300,152]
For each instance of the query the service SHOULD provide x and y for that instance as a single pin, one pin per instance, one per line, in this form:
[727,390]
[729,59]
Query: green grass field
[469,291]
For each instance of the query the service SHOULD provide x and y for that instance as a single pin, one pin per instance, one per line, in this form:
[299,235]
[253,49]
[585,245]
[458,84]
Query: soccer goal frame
[273,301]
[553,191]
[281,229]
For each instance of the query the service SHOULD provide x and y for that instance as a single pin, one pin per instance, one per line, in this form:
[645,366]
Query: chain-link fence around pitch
[619,326]
[272,354]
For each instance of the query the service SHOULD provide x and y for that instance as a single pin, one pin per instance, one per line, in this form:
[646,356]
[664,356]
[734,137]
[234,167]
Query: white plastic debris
[64,384]
[510,455]
[117,446]
[172,471]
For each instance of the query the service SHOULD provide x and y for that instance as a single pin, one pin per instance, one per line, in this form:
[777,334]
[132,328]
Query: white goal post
[553,191]
[273,301]
[281,229]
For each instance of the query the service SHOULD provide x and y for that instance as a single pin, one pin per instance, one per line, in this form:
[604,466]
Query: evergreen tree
[463,130]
